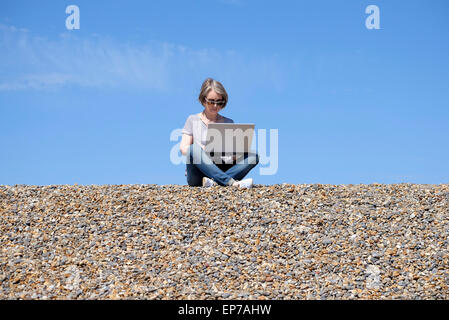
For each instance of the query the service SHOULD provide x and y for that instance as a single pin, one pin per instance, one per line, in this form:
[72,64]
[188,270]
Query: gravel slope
[270,242]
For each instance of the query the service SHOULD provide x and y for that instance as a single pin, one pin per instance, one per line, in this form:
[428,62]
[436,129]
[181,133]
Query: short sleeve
[188,127]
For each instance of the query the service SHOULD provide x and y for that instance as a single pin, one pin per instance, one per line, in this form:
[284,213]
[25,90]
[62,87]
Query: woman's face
[209,104]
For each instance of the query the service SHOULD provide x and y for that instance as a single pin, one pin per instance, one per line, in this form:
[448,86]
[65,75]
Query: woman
[201,170]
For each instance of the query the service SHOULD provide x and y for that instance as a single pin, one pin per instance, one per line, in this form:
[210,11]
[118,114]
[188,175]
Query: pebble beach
[284,241]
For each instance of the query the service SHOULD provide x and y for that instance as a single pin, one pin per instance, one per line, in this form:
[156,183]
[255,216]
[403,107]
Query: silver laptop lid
[229,138]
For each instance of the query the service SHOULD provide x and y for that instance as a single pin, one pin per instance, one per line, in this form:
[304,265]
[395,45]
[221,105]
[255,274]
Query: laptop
[224,140]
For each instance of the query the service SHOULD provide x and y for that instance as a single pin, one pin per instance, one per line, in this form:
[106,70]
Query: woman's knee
[194,178]
[193,153]
[194,182]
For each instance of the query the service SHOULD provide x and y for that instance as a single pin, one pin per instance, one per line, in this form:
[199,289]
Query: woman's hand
[186,141]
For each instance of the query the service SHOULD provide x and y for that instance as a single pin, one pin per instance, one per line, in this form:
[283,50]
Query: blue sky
[351,105]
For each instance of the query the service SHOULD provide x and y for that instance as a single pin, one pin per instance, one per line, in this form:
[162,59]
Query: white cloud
[31,62]
[36,81]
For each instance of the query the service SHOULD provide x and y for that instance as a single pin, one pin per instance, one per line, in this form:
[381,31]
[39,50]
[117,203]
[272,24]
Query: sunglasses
[219,103]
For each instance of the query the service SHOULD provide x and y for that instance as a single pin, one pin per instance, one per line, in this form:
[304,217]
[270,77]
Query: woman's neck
[210,117]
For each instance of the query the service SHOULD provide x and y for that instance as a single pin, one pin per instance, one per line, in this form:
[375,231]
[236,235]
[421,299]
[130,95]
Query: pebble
[279,241]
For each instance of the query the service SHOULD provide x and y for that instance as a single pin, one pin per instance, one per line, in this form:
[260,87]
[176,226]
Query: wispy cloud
[29,61]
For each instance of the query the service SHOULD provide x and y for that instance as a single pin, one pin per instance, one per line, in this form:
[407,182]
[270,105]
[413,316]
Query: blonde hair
[211,84]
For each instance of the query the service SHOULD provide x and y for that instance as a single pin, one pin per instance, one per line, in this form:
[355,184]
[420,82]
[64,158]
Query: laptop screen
[229,138]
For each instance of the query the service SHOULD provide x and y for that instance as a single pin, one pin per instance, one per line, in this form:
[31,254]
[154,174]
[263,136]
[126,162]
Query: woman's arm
[185,143]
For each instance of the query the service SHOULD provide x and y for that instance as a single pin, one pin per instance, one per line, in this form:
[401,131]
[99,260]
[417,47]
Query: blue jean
[200,165]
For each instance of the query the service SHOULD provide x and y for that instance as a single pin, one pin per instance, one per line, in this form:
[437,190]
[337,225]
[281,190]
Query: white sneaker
[207,182]
[245,183]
